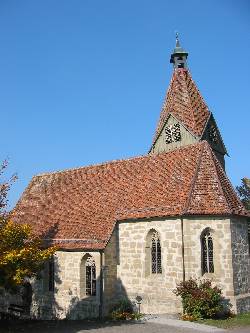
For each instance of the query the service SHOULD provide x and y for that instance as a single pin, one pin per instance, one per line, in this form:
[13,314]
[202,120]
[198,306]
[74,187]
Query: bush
[123,310]
[199,299]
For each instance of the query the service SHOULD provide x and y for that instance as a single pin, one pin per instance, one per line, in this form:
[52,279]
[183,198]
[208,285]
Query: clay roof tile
[78,208]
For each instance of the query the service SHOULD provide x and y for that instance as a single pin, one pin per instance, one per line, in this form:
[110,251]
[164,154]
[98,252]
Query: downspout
[101,285]
[183,252]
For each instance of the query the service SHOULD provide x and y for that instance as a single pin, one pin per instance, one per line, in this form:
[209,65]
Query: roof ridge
[111,162]
[165,99]
[218,179]
[198,90]
[189,97]
[185,209]
[90,166]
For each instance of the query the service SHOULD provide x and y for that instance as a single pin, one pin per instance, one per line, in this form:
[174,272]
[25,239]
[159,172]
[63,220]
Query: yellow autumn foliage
[21,254]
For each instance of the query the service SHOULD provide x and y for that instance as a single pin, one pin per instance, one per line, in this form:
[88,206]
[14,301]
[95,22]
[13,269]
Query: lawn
[240,320]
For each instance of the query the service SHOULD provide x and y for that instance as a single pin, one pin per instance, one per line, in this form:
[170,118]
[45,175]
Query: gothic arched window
[155,254]
[90,277]
[207,252]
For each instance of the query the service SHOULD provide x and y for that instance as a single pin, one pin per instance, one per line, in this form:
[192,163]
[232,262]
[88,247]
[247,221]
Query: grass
[239,320]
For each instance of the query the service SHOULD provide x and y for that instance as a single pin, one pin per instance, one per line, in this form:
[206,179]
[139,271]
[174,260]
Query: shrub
[123,310]
[199,299]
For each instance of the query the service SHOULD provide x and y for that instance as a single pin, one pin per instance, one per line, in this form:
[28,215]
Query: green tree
[244,192]
[21,253]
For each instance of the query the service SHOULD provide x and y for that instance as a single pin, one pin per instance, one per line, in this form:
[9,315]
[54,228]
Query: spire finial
[179,55]
[177,44]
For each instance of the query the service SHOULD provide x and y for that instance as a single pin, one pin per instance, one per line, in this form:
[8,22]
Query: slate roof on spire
[184,101]
[78,208]
[178,50]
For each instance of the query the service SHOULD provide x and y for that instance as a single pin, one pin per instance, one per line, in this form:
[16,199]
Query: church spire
[185,117]
[179,55]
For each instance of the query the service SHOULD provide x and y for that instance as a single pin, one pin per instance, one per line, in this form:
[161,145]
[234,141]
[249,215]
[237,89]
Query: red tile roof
[78,208]
[184,101]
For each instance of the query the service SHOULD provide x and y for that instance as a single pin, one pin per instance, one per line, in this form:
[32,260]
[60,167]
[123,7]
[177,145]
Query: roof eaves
[218,165]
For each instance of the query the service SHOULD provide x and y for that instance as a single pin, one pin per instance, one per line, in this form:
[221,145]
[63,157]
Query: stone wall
[231,258]
[110,262]
[67,300]
[241,264]
[133,280]
[220,227]
[156,289]
[127,269]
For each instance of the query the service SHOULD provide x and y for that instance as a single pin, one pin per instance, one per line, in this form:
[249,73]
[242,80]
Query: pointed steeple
[179,55]
[185,117]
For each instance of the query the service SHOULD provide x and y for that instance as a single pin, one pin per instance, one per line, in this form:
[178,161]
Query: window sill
[88,298]
[208,275]
[155,276]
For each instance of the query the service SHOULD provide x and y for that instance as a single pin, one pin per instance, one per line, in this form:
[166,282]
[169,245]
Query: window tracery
[207,250]
[173,133]
[156,254]
[90,276]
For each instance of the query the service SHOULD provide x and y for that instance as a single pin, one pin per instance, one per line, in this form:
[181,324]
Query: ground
[156,326]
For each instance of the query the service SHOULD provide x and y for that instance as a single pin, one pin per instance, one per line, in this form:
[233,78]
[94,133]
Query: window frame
[156,260]
[207,252]
[151,260]
[90,277]
[88,288]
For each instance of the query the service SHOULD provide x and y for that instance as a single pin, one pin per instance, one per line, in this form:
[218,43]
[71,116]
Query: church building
[139,226]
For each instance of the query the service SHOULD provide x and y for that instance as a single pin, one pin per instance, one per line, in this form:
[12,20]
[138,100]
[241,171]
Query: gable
[184,101]
[162,143]
[213,137]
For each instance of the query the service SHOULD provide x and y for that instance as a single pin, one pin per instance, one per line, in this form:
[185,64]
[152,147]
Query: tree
[21,253]
[244,192]
[4,188]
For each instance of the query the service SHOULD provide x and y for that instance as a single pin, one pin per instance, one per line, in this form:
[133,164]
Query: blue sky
[83,81]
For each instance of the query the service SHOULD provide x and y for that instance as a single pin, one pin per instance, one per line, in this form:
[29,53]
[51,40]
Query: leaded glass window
[90,277]
[173,133]
[156,254]
[207,249]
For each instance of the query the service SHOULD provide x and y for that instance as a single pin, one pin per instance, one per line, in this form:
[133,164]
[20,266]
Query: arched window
[207,252]
[88,269]
[155,254]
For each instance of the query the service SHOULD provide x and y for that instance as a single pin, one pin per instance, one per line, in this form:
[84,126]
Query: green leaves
[199,298]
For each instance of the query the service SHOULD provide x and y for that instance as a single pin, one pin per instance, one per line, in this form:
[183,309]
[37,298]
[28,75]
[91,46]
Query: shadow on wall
[46,285]
[87,307]
[90,306]
[55,302]
[45,288]
[121,295]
